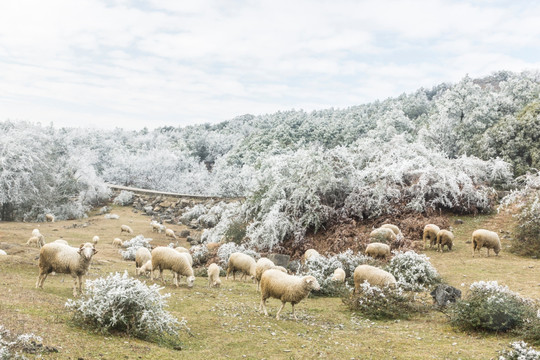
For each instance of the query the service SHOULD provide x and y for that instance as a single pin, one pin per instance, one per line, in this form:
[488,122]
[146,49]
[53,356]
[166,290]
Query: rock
[445,294]
[280,259]
[458,221]
[193,224]
[165,204]
[184,203]
[148,210]
[184,233]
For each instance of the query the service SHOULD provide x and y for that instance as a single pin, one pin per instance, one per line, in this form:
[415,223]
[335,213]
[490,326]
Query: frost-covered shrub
[124,198]
[413,271]
[227,221]
[122,303]
[112,216]
[322,268]
[385,302]
[227,249]
[133,245]
[200,254]
[13,347]
[490,307]
[519,350]
[193,213]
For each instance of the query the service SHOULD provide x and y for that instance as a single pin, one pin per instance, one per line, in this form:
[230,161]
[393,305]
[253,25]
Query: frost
[133,245]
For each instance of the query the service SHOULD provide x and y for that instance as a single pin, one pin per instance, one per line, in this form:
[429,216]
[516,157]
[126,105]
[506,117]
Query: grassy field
[225,322]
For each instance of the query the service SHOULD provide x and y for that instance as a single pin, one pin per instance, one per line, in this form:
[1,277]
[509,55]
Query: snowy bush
[227,223]
[519,351]
[491,307]
[14,347]
[413,271]
[112,216]
[193,213]
[200,254]
[133,245]
[122,303]
[124,198]
[227,249]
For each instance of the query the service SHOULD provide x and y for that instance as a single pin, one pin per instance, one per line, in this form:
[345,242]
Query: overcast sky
[149,63]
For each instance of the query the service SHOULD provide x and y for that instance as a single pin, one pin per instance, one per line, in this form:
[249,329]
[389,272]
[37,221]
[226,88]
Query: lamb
[125,228]
[64,259]
[373,275]
[392,227]
[49,217]
[285,287]
[383,235]
[117,242]
[2,252]
[430,233]
[95,239]
[485,238]
[241,262]
[376,250]
[142,256]
[37,241]
[170,233]
[157,227]
[339,275]
[36,232]
[165,258]
[262,265]
[147,267]
[310,253]
[181,249]
[61,241]
[444,237]
[213,276]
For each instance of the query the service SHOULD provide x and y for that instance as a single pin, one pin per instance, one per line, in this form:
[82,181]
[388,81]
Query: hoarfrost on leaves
[412,271]
[124,198]
[133,245]
[519,351]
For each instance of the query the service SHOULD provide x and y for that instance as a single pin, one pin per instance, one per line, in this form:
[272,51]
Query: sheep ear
[308,281]
[95,251]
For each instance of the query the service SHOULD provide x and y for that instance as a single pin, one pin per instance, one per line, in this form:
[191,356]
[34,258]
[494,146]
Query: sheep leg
[228,271]
[280,308]
[263,306]
[75,285]
[41,279]
[488,251]
[161,275]
[293,314]
[80,284]
[175,278]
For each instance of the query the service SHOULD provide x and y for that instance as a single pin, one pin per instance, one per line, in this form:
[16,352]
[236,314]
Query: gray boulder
[445,294]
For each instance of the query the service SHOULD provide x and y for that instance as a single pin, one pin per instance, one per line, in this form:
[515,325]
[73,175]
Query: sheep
[2,252]
[165,258]
[392,227]
[157,227]
[339,275]
[61,241]
[142,256]
[373,275]
[430,233]
[37,241]
[262,265]
[147,267]
[444,237]
[36,232]
[125,228]
[285,287]
[213,276]
[383,235]
[170,233]
[65,259]
[281,268]
[309,254]
[181,249]
[485,238]
[117,242]
[187,256]
[376,250]
[49,217]
[95,239]
[241,262]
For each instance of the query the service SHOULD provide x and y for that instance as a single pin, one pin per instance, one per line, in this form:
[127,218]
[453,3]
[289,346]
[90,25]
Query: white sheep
[117,242]
[49,217]
[170,233]
[37,241]
[125,228]
[95,239]
[157,227]
[339,275]
[147,267]
[430,234]
[213,276]
[165,258]
[64,259]
[2,252]
[241,262]
[444,237]
[310,253]
[376,250]
[285,287]
[142,256]
[61,241]
[383,235]
[181,249]
[392,227]
[36,232]
[373,275]
[488,239]
[264,264]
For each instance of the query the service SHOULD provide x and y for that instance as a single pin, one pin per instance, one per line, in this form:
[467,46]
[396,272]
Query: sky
[150,63]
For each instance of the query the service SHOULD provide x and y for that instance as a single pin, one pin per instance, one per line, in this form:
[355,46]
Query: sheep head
[87,250]
[190,281]
[311,283]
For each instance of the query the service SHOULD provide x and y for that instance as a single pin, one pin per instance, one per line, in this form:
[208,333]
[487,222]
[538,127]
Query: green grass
[226,323]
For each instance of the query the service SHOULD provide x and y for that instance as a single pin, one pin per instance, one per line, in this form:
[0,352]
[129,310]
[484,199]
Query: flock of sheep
[272,281]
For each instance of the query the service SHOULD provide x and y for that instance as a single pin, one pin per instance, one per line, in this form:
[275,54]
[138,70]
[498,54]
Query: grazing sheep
[142,256]
[213,276]
[376,250]
[2,252]
[95,239]
[61,241]
[485,238]
[444,237]
[383,235]
[165,258]
[125,228]
[64,259]
[339,275]
[181,249]
[373,275]
[285,287]
[157,227]
[309,254]
[147,267]
[188,257]
[49,217]
[241,262]
[117,242]
[264,264]
[392,227]
[430,233]
[170,233]
[36,232]
[37,241]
